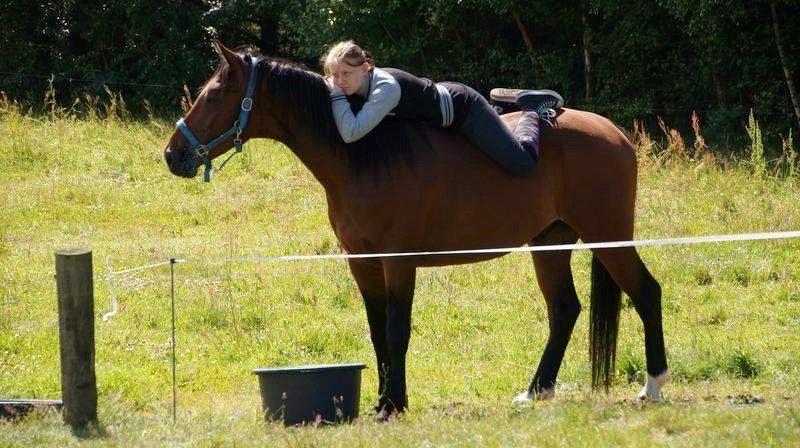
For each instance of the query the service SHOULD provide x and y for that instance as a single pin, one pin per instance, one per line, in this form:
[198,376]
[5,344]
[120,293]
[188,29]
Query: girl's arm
[381,100]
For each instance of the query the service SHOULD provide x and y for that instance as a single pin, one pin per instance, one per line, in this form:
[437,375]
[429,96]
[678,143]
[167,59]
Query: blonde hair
[347,52]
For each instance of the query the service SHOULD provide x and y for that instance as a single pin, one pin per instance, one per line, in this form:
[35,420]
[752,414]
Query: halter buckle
[247,104]
[201,150]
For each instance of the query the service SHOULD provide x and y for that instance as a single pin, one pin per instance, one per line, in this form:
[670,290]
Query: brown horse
[409,187]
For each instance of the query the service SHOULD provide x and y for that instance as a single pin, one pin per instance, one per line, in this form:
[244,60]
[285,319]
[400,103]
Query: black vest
[419,99]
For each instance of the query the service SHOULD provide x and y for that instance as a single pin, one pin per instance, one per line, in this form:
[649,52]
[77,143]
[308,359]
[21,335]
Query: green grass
[731,311]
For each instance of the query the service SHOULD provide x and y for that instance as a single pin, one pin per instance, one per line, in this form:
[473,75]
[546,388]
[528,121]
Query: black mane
[302,95]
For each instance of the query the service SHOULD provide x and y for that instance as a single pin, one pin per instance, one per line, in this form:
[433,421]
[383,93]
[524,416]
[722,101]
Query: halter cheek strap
[202,150]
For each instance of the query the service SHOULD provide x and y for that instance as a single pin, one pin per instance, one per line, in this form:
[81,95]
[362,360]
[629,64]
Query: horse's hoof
[652,387]
[548,393]
[526,397]
[386,415]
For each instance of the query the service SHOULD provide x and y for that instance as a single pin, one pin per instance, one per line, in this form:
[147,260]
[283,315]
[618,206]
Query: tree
[787,72]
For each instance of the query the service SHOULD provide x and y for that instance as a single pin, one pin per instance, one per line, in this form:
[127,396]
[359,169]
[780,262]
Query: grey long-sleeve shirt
[383,95]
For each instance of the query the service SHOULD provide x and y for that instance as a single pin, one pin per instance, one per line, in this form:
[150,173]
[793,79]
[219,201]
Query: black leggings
[479,122]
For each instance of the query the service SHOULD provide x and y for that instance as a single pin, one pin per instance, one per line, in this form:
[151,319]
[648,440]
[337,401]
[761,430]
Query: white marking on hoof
[523,398]
[527,397]
[652,387]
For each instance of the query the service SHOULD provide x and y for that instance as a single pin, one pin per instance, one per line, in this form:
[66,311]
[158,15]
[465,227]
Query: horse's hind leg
[629,272]
[554,275]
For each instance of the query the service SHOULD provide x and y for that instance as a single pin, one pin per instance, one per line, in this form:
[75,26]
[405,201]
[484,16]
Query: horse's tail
[603,324]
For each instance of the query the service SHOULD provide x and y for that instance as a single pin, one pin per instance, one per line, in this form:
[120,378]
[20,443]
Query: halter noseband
[201,150]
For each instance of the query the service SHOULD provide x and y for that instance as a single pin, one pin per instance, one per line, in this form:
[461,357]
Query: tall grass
[789,156]
[756,147]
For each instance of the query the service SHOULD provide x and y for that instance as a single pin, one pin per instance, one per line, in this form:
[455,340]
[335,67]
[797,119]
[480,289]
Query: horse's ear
[226,55]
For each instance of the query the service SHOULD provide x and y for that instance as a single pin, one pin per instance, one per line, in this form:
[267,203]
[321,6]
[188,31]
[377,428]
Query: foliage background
[657,58]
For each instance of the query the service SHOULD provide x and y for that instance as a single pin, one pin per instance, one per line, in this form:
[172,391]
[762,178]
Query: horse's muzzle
[182,163]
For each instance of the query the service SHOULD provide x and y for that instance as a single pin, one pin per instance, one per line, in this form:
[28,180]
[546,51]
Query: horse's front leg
[369,278]
[400,278]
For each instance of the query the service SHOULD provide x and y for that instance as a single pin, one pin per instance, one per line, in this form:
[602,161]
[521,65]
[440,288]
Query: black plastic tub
[311,394]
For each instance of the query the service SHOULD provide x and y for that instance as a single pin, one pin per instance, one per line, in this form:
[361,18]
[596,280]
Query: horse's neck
[326,166]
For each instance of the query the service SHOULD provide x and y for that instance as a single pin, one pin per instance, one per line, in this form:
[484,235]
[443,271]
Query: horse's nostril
[168,156]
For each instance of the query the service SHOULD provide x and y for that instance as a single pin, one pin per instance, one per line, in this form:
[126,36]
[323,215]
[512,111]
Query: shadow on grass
[90,431]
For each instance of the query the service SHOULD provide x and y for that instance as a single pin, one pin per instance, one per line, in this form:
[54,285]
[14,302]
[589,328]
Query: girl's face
[349,78]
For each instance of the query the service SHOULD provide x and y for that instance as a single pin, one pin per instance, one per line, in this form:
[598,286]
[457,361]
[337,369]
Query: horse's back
[452,196]
[584,131]
[580,148]
[587,167]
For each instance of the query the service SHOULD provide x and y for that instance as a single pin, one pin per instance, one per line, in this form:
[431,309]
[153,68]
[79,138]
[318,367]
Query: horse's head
[289,104]
[214,122]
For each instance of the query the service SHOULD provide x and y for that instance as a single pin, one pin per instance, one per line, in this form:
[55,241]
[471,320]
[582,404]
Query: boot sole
[501,95]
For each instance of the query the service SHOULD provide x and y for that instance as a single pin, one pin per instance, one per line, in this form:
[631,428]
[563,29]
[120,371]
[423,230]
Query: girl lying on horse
[351,74]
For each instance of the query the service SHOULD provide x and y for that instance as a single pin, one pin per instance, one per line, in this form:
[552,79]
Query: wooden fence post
[76,334]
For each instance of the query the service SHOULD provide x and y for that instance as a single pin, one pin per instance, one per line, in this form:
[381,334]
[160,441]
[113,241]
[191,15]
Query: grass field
[731,311]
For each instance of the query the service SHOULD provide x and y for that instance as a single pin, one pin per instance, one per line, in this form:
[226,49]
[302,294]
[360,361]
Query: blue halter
[199,151]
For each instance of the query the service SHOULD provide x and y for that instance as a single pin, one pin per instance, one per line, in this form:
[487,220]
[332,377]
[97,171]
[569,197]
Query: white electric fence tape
[577,246]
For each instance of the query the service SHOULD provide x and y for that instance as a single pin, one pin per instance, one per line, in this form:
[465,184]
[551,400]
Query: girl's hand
[332,87]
